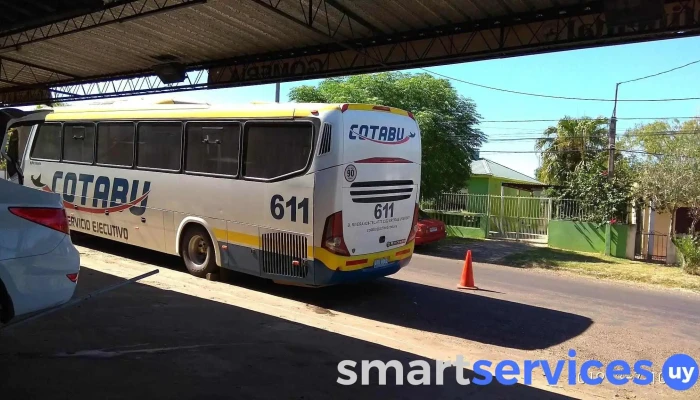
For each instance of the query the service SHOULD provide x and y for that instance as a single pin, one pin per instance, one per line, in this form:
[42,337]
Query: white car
[39,265]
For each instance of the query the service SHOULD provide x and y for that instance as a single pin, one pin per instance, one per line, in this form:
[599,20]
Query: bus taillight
[414,226]
[333,240]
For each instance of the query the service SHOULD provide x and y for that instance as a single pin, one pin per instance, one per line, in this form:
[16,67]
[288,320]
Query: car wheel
[198,253]
[6,308]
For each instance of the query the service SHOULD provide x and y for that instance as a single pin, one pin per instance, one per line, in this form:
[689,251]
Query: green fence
[545,220]
[507,217]
[518,218]
[588,237]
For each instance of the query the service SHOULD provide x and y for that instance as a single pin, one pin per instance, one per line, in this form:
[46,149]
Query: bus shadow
[466,315]
[141,339]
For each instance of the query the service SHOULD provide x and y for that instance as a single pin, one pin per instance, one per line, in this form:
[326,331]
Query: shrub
[689,251]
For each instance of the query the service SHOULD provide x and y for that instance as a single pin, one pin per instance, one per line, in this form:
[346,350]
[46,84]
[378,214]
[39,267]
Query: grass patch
[600,266]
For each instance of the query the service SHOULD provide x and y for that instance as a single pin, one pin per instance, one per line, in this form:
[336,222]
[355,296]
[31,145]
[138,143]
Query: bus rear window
[47,143]
[272,150]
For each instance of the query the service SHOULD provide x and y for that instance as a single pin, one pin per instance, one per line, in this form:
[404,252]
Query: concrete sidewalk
[142,341]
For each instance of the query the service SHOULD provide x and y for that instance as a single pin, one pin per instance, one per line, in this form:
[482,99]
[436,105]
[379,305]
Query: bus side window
[115,143]
[47,142]
[159,145]
[272,149]
[78,142]
[212,147]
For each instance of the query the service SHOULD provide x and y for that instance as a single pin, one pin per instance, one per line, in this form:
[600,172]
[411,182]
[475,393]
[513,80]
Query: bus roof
[165,109]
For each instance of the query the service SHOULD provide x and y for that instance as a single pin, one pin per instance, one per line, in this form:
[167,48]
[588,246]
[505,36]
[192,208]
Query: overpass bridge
[63,50]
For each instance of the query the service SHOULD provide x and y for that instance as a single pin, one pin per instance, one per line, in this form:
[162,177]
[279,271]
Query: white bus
[306,194]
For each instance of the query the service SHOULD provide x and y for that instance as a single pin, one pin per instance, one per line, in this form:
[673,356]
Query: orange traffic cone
[467,280]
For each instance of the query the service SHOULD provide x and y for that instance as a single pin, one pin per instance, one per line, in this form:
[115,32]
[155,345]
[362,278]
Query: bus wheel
[198,252]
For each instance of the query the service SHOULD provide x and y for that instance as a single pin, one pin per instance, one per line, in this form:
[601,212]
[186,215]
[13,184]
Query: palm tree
[573,142]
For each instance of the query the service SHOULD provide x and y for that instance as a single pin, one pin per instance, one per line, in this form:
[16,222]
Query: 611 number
[385,210]
[277,208]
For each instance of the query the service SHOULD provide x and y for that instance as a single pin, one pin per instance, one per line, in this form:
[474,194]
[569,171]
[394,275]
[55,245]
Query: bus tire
[198,252]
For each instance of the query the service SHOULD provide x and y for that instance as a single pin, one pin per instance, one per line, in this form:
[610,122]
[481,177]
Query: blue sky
[579,73]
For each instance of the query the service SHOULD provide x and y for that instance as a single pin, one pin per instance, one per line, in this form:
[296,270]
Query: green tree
[604,199]
[663,137]
[450,138]
[569,144]
[667,156]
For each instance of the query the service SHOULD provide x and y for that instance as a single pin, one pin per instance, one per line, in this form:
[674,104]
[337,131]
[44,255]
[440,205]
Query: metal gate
[519,218]
[508,217]
[651,247]
[504,217]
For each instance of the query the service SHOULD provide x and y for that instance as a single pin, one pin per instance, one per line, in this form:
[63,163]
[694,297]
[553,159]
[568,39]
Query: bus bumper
[325,276]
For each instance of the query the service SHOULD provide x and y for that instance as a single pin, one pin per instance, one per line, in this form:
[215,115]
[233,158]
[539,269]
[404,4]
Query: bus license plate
[380,262]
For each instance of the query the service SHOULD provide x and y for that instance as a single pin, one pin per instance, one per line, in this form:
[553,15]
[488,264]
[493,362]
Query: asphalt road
[563,291]
[603,320]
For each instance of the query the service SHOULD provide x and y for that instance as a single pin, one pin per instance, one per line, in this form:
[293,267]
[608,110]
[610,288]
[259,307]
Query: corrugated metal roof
[207,33]
[496,170]
[480,167]
[221,29]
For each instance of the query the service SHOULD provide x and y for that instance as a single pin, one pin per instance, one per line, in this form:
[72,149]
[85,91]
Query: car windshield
[423,215]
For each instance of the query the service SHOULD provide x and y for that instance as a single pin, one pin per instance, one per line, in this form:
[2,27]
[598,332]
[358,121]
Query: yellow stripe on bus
[244,239]
[370,107]
[196,111]
[307,112]
[176,114]
[339,263]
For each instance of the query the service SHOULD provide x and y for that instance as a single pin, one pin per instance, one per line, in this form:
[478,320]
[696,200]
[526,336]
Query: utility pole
[277,92]
[612,132]
[611,137]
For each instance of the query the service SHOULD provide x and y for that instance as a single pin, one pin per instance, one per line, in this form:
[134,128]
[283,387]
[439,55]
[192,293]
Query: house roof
[483,166]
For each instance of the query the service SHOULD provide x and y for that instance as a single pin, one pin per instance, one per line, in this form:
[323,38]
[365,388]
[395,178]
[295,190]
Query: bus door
[11,148]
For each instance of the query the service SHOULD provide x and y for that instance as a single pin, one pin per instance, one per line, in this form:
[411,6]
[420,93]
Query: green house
[489,177]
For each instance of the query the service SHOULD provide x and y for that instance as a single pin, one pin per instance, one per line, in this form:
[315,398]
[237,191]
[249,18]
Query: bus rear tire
[198,252]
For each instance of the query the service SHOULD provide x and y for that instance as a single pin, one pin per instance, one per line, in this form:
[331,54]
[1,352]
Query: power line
[664,133]
[575,151]
[539,151]
[507,138]
[548,96]
[514,128]
[531,133]
[662,72]
[583,119]
[367,55]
